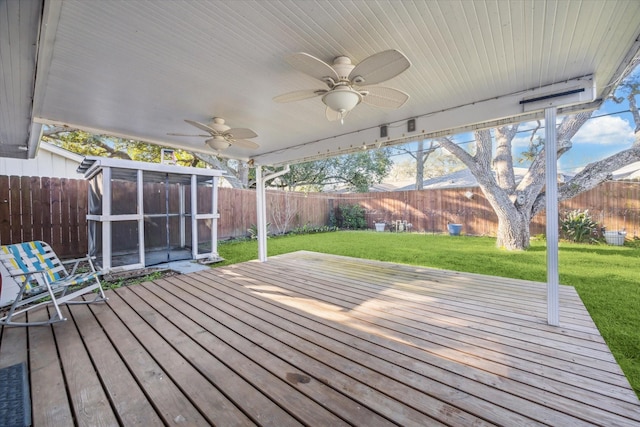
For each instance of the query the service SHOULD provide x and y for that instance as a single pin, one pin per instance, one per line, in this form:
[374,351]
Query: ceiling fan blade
[311,65]
[204,127]
[243,143]
[185,134]
[379,67]
[299,95]
[240,133]
[385,97]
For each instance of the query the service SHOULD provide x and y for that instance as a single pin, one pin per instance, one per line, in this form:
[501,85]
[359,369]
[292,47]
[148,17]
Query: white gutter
[261,198]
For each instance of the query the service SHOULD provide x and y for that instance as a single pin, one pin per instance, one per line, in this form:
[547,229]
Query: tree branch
[591,176]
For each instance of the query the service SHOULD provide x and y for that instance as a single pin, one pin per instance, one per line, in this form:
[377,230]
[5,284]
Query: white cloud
[605,130]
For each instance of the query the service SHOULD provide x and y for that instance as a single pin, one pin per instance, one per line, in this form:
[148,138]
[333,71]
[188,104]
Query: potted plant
[454,229]
[380,225]
[615,238]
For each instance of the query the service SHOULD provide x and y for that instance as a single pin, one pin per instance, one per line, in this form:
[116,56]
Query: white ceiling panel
[19,22]
[139,68]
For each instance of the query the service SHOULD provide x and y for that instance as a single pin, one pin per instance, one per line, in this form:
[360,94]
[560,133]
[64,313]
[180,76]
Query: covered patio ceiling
[137,69]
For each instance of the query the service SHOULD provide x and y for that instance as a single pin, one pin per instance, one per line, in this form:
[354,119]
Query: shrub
[311,229]
[253,231]
[578,226]
[351,217]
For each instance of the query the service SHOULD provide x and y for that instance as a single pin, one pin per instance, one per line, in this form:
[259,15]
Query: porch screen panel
[167,232]
[125,249]
[205,208]
[124,190]
[94,228]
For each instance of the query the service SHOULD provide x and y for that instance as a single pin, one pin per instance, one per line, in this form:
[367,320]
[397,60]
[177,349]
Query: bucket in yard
[615,238]
[454,229]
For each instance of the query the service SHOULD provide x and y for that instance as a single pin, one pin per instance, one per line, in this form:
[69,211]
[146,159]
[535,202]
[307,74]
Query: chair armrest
[77,261]
[69,261]
[26,273]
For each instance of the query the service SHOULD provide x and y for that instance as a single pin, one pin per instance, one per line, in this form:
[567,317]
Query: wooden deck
[321,340]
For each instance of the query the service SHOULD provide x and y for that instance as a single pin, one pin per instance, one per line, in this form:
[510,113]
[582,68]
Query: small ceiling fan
[223,136]
[348,83]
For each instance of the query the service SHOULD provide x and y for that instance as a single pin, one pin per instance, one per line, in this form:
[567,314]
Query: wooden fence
[49,209]
[54,210]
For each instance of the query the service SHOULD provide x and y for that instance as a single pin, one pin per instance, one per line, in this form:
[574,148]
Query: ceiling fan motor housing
[343,66]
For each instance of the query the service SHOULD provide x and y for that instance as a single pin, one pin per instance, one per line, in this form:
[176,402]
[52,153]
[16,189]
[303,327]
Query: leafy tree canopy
[354,172]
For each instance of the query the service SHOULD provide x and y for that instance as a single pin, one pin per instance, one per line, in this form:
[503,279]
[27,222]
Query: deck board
[315,339]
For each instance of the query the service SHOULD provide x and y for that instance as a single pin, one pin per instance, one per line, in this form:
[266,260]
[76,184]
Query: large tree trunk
[420,166]
[513,230]
[513,218]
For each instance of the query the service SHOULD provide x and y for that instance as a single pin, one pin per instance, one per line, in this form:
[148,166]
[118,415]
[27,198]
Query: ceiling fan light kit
[342,99]
[222,136]
[218,144]
[345,81]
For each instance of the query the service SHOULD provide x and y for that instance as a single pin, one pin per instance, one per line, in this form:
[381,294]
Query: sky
[609,131]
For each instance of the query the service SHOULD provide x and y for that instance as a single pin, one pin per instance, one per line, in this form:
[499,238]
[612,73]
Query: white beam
[498,111]
[551,172]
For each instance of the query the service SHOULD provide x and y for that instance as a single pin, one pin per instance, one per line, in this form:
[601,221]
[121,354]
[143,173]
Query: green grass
[606,277]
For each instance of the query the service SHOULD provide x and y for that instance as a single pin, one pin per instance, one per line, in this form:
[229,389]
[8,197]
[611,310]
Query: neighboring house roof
[628,173]
[50,161]
[464,178]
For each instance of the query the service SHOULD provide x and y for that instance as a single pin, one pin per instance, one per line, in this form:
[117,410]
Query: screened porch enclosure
[143,214]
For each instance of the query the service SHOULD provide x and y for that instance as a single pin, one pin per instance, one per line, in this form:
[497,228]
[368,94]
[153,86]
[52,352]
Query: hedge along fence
[54,210]
[285,210]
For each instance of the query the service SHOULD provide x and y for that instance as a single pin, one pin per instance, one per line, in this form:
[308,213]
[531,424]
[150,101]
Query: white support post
[551,172]
[214,221]
[261,202]
[140,211]
[106,223]
[182,213]
[194,214]
[261,215]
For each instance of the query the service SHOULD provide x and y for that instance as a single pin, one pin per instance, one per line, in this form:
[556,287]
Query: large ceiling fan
[223,136]
[348,83]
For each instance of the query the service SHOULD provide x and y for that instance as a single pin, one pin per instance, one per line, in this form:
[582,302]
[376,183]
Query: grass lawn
[606,277]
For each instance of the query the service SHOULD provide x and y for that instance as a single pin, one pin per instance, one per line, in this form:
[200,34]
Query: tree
[86,144]
[355,171]
[516,204]
[420,155]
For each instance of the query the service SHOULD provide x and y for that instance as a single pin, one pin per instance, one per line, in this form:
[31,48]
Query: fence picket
[5,212]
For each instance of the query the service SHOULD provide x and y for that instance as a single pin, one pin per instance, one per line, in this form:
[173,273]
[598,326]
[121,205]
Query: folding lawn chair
[43,279]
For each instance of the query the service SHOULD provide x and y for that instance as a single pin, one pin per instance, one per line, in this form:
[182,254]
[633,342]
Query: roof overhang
[137,69]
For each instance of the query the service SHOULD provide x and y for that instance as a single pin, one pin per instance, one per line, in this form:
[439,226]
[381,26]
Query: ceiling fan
[223,136]
[348,83]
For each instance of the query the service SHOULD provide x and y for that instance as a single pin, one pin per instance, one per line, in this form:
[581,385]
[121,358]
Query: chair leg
[55,318]
[8,319]
[54,301]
